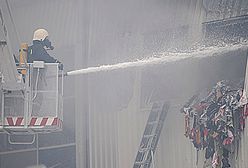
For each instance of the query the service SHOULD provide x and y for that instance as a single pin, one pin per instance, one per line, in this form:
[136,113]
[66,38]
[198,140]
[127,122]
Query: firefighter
[37,51]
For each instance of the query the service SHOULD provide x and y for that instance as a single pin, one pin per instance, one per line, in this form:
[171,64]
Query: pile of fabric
[214,121]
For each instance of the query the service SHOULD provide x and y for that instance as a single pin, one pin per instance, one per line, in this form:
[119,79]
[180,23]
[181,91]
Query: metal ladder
[151,135]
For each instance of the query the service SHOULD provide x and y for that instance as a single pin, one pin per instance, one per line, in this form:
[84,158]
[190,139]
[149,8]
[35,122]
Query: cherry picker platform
[37,105]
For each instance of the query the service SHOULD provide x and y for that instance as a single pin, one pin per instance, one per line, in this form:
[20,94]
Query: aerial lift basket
[38,107]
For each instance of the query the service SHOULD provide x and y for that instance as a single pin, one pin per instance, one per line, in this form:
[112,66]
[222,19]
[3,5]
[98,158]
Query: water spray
[162,59]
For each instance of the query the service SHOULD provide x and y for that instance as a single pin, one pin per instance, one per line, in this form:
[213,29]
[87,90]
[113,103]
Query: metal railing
[42,97]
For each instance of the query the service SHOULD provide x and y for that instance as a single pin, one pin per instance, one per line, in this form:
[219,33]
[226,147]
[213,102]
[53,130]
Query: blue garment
[36,52]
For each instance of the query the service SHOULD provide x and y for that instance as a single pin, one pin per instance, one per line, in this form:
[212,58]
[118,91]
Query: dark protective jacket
[36,52]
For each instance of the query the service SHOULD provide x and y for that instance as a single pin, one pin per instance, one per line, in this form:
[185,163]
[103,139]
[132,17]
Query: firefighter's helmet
[40,34]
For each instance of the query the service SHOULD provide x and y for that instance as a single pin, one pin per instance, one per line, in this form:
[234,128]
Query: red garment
[246,111]
[192,133]
[229,139]
[242,117]
[187,127]
[200,107]
[216,160]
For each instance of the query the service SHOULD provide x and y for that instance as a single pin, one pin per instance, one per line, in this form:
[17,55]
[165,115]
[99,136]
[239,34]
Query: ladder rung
[153,111]
[144,150]
[156,108]
[141,163]
[153,122]
[153,118]
[149,135]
